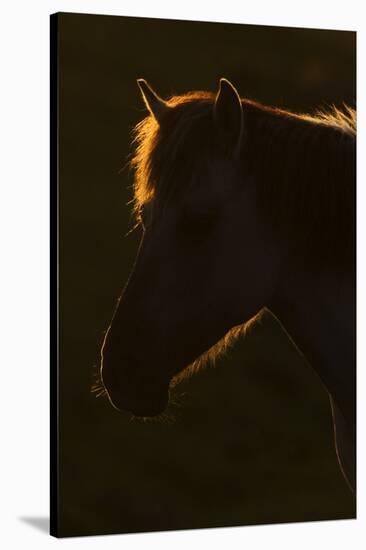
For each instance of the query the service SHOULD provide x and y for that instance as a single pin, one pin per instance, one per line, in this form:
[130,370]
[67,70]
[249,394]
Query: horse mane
[303,164]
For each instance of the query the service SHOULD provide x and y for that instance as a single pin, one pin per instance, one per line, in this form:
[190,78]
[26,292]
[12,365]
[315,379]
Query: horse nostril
[119,373]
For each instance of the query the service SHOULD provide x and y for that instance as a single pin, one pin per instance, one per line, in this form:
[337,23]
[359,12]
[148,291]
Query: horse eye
[198,221]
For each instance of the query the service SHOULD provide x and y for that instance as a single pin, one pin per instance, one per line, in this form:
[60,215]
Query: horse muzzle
[129,390]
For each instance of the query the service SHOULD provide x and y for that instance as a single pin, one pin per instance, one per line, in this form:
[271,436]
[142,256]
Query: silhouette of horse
[243,207]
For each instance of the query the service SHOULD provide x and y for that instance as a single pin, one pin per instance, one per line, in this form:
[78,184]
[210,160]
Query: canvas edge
[54,277]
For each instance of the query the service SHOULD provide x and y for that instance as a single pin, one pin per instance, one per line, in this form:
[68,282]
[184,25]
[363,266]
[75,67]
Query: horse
[243,208]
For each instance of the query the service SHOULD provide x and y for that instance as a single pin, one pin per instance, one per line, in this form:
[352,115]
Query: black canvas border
[54,268]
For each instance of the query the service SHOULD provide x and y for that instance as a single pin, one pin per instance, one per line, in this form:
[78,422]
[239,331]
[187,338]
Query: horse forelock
[160,148]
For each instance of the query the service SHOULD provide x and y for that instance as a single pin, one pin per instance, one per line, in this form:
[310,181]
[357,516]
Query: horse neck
[318,312]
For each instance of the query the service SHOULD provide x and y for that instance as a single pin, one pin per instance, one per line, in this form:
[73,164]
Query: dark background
[266,454]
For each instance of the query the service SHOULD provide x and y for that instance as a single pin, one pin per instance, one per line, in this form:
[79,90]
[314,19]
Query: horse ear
[153,102]
[228,115]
